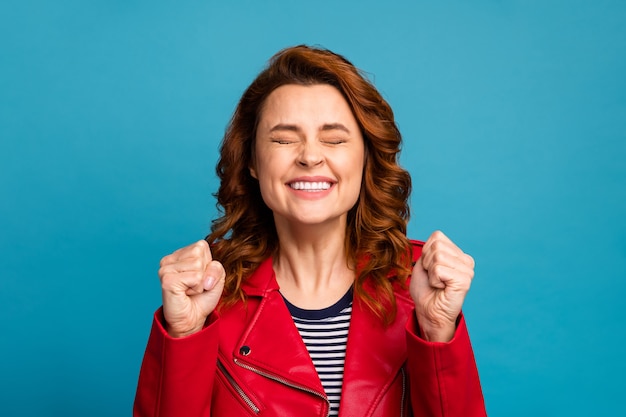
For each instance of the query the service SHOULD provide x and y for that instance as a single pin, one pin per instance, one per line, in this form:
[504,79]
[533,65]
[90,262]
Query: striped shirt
[325,333]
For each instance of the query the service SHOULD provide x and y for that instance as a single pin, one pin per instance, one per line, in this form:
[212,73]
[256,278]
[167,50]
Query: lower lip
[311,195]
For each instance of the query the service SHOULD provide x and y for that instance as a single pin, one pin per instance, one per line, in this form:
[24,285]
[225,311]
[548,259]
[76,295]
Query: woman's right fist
[191,284]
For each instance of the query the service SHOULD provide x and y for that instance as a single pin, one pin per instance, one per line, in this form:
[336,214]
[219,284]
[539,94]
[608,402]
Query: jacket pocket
[235,389]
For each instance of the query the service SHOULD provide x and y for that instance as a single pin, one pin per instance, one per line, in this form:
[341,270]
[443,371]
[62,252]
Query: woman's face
[309,155]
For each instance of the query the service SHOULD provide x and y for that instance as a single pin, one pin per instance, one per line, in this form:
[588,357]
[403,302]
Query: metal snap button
[244,350]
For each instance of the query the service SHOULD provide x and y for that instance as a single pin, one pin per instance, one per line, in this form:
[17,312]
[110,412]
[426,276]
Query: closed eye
[281,141]
[334,141]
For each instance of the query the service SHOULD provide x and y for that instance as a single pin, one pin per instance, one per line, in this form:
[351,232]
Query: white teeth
[310,186]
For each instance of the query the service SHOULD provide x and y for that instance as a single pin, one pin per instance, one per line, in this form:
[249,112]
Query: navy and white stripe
[325,333]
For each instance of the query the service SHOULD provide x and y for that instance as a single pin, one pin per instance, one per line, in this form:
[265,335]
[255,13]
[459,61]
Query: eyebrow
[294,128]
[335,126]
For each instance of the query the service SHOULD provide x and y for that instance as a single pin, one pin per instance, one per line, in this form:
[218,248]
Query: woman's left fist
[440,280]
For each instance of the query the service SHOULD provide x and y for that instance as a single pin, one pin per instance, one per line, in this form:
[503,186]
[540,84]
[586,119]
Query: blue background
[514,119]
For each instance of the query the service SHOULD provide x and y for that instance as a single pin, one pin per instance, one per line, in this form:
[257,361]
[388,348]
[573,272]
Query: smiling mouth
[310,186]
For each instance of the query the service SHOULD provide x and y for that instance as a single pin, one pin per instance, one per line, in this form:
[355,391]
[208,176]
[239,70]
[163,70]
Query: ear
[253,172]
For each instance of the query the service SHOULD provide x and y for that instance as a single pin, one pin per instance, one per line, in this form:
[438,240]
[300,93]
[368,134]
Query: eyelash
[335,141]
[282,141]
[326,141]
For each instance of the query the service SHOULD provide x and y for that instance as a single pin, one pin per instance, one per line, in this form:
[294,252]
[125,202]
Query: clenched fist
[440,280]
[191,284]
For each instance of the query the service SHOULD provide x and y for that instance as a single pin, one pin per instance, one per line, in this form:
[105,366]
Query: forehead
[305,105]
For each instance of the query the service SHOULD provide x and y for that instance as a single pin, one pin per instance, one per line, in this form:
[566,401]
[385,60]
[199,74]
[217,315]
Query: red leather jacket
[250,360]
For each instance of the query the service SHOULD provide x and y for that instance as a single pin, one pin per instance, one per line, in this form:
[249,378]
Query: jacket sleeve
[444,379]
[176,377]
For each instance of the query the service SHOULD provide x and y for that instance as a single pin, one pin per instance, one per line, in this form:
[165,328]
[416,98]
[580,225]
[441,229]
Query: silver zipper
[403,392]
[285,382]
[237,388]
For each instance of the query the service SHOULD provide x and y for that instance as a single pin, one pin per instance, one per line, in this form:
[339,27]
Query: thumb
[213,285]
[214,273]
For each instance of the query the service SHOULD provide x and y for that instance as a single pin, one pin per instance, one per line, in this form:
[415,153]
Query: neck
[311,268]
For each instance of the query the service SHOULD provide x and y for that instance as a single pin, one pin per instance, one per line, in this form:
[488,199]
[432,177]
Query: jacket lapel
[374,356]
[375,353]
[271,342]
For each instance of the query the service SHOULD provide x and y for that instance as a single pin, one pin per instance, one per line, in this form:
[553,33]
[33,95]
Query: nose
[311,154]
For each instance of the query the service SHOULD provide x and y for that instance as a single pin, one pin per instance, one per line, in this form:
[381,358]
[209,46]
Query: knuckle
[436,269]
[471,275]
[202,245]
[439,257]
[195,250]
[436,245]
[165,260]
[217,267]
[199,248]
[198,276]
[437,234]
[197,264]
[166,279]
[164,271]
[470,261]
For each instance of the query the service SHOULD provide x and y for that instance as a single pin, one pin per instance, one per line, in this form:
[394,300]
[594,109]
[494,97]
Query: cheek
[356,165]
[359,174]
[357,186]
[269,178]
[267,168]
[267,193]
[356,177]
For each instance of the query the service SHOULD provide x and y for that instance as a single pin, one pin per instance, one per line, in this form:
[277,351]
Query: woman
[307,298]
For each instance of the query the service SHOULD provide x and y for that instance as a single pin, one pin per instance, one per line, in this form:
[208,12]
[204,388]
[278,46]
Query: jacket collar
[262,281]
[374,353]
[275,346]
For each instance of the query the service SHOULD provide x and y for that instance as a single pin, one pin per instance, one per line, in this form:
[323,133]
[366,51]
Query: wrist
[442,332]
[442,335]
[178,334]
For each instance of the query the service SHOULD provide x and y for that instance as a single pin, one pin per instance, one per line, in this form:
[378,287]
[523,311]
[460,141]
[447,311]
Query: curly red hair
[245,235]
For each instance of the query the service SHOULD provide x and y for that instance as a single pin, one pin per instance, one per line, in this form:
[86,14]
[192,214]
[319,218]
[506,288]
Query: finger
[421,280]
[210,297]
[168,260]
[437,235]
[438,240]
[199,250]
[205,249]
[189,265]
[440,247]
[447,257]
[442,276]
[189,282]
[438,253]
